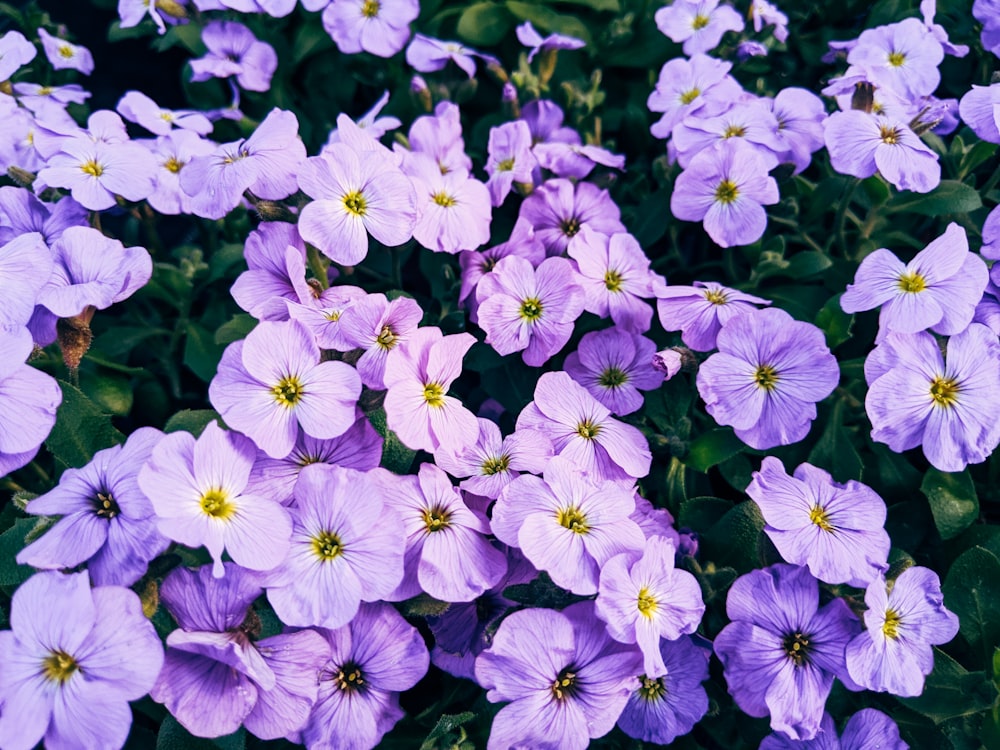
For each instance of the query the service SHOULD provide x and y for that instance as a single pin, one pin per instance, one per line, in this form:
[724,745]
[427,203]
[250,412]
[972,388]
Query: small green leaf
[952,691]
[950,197]
[834,451]
[396,457]
[484,23]
[804,264]
[201,353]
[173,736]
[81,429]
[12,541]
[733,541]
[834,322]
[109,391]
[447,724]
[235,329]
[192,420]
[713,447]
[953,500]
[702,513]
[972,591]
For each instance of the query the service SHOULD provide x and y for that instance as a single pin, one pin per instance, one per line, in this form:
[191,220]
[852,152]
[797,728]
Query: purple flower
[233,50]
[800,115]
[661,709]
[64,55]
[575,160]
[726,186]
[583,431]
[372,660]
[866,730]
[453,209]
[987,12]
[380,28]
[699,24]
[139,108]
[197,490]
[569,524]
[173,152]
[938,289]
[95,172]
[902,56]
[834,529]
[903,622]
[614,365]
[644,599]
[342,552]
[28,402]
[21,212]
[522,308]
[427,55]
[700,311]
[764,14]
[781,650]
[356,194]
[440,137]
[928,8]
[448,555]
[558,210]
[861,144]
[25,267]
[107,522]
[767,376]
[751,121]
[276,260]
[370,122]
[566,680]
[321,314]
[616,277]
[274,381]
[988,309]
[73,660]
[668,362]
[378,326]
[688,87]
[951,407]
[475,264]
[976,110]
[215,677]
[529,37]
[15,51]
[510,159]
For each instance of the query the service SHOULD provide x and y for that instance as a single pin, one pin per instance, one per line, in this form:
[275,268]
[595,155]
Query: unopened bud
[74,337]
[421,93]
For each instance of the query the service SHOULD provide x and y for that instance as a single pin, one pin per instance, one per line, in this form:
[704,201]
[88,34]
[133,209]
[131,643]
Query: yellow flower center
[715,296]
[896,59]
[571,518]
[726,192]
[349,678]
[564,685]
[496,465]
[355,203]
[944,391]
[612,378]
[59,666]
[387,338]
[506,165]
[765,377]
[646,603]
[734,131]
[327,546]
[166,116]
[888,135]
[105,506]
[891,625]
[699,22]
[436,518]
[65,51]
[652,690]
[912,282]
[92,168]
[45,90]
[796,648]
[689,96]
[588,430]
[531,309]
[443,199]
[570,226]
[173,165]
[434,395]
[288,391]
[819,516]
[216,503]
[370,9]
[613,280]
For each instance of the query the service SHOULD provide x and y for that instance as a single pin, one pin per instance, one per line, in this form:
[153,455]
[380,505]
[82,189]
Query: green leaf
[834,451]
[396,457]
[81,429]
[733,541]
[192,420]
[235,329]
[447,724]
[13,541]
[972,591]
[173,736]
[484,23]
[111,392]
[976,155]
[952,691]
[713,447]
[201,353]
[652,218]
[953,500]
[611,5]
[702,513]
[950,197]
[310,39]
[834,322]
[802,265]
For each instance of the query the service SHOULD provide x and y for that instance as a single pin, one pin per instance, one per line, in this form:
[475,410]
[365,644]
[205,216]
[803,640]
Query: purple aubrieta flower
[136,107]
[527,309]
[751,120]
[938,289]
[662,709]
[866,730]
[699,24]
[575,160]
[903,622]
[767,376]
[861,144]
[644,599]
[726,187]
[107,521]
[372,660]
[216,676]
[73,660]
[582,430]
[476,264]
[987,12]
[321,314]
[21,212]
[616,278]
[700,311]
[800,115]
[928,9]
[558,209]
[950,407]
[356,194]
[378,326]
[614,365]
[510,159]
[197,488]
[529,37]
[233,50]
[834,529]
[566,680]
[276,272]
[988,309]
[686,87]
[381,28]
[568,524]
[25,267]
[453,209]
[28,402]
[370,122]
[428,55]
[15,51]
[342,551]
[64,55]
[977,108]
[763,13]
[781,650]
[448,555]
[274,381]
[95,172]
[902,56]
[173,152]
[440,137]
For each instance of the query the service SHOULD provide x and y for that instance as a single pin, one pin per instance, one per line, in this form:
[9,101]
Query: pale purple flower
[64,55]
[763,13]
[95,172]
[28,402]
[575,160]
[751,121]
[173,152]
[950,407]
[428,55]
[529,37]
[726,187]
[276,260]
[861,144]
[47,100]
[53,135]
[381,28]
[491,462]
[25,267]
[701,85]
[73,660]
[275,380]
[903,622]
[767,376]
[928,9]
[566,680]
[699,24]
[545,121]
[781,651]
[378,326]
[800,115]
[107,522]
[321,314]
[978,107]
[668,362]
[987,12]
[614,364]
[616,278]
[700,311]
[440,137]
[136,107]
[868,729]
[233,50]
[453,209]
[476,264]
[15,51]
[510,159]
[418,375]
[835,529]
[902,56]
[522,308]
[558,209]
[938,289]
[370,122]
[749,48]
[988,309]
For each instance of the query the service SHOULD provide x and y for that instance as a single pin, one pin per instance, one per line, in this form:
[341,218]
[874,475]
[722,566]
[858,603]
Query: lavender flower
[903,621]
[701,85]
[867,729]
[378,326]
[781,650]
[15,51]
[276,260]
[28,402]
[95,172]
[751,121]
[440,137]
[763,13]
[21,212]
[139,108]
[64,55]
[800,115]
[73,660]
[834,529]
[767,376]
[173,152]
[427,55]
[699,24]
[453,209]
[566,680]
[25,267]
[233,50]
[575,160]
[700,311]
[475,264]
[510,159]
[976,109]
[558,210]
[529,37]
[902,57]
[614,365]
[381,28]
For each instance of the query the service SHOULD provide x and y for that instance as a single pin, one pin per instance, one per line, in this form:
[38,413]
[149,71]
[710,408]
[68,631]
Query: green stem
[839,220]
[318,266]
